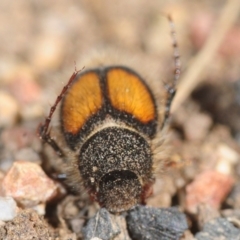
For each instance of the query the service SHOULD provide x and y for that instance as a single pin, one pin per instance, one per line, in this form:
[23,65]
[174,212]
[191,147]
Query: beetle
[111,125]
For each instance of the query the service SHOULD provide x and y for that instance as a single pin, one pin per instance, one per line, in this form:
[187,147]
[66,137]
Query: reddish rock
[28,184]
[201,27]
[23,85]
[209,187]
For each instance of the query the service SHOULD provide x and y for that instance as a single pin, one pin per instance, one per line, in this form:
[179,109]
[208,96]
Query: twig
[194,75]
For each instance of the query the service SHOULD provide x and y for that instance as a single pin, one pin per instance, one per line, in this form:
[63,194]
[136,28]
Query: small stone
[200,28]
[40,208]
[155,223]
[234,197]
[31,111]
[23,85]
[227,159]
[8,208]
[104,226]
[9,109]
[209,187]
[27,225]
[232,215]
[228,153]
[49,53]
[26,91]
[218,228]
[76,225]
[197,126]
[28,184]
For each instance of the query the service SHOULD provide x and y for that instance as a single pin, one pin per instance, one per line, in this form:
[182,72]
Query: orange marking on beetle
[127,93]
[83,100]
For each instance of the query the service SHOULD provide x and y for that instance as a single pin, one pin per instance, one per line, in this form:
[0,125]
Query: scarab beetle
[111,123]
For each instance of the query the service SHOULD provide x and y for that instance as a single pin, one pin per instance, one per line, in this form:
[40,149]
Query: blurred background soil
[40,41]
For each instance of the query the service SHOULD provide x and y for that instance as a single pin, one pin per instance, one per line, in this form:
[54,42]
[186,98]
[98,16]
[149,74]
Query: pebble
[31,111]
[8,208]
[227,159]
[49,53]
[218,228]
[27,225]
[234,197]
[197,126]
[7,67]
[232,215]
[26,91]
[76,224]
[155,223]
[105,226]
[40,209]
[201,27]
[28,184]
[23,86]
[9,109]
[100,226]
[209,187]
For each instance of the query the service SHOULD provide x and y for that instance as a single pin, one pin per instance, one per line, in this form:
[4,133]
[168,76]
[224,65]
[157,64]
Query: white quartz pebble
[8,208]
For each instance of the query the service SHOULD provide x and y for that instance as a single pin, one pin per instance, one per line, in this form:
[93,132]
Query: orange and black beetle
[110,121]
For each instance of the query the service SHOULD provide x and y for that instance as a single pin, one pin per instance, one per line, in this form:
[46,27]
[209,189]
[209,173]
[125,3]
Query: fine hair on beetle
[113,125]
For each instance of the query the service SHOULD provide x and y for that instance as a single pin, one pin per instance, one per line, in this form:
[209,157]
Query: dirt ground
[41,42]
